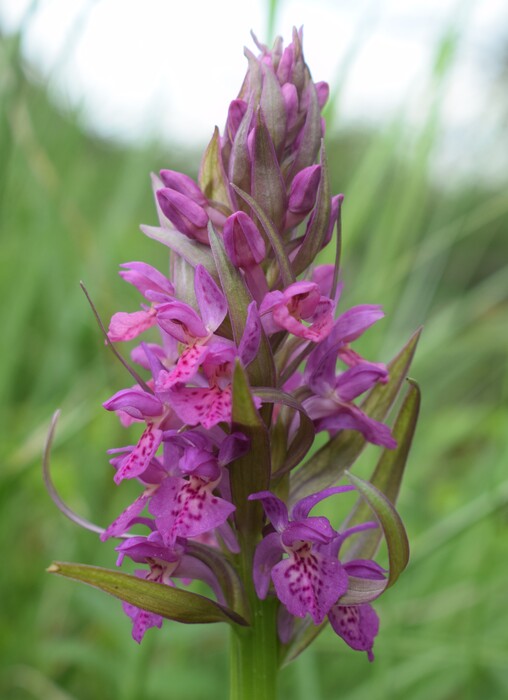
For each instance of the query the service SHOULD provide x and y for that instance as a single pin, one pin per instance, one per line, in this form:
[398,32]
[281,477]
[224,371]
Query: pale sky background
[169,69]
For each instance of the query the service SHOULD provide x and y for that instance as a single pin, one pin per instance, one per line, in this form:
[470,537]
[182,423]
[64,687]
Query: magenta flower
[307,581]
[331,407]
[298,304]
[242,377]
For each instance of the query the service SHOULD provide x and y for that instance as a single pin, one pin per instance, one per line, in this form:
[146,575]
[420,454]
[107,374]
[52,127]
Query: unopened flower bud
[183,184]
[184,213]
[243,242]
[334,215]
[302,195]
[290,96]
[323,92]
[236,113]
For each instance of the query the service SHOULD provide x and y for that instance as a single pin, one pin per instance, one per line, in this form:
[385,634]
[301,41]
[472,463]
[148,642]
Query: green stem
[254,654]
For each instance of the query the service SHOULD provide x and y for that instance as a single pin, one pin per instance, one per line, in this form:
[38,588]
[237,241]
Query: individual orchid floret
[302,195]
[187,506]
[141,405]
[184,184]
[299,304]
[332,408]
[182,322]
[190,455]
[149,281]
[358,625]
[246,248]
[211,404]
[307,580]
[185,214]
[347,328]
[242,240]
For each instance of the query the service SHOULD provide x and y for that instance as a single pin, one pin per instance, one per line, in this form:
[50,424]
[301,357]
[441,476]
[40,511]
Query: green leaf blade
[391,524]
[388,474]
[171,603]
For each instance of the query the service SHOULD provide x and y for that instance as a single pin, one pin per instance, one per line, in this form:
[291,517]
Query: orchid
[244,359]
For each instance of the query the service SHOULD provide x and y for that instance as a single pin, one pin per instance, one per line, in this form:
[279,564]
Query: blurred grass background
[430,247]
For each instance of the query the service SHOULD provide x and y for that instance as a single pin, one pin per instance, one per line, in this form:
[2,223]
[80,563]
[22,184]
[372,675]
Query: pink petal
[195,405]
[211,300]
[358,625]
[123,522]
[307,582]
[142,620]
[185,369]
[124,326]
[140,457]
[188,508]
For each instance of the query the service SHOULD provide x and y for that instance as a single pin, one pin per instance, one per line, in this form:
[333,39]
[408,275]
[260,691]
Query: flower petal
[124,326]
[358,625]
[140,457]
[185,369]
[187,508]
[142,620]
[195,405]
[268,553]
[307,582]
[211,300]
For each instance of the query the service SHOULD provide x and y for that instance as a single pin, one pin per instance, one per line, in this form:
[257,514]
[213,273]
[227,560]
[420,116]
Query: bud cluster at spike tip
[263,194]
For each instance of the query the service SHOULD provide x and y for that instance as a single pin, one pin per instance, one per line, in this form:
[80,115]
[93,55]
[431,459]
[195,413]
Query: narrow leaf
[328,464]
[250,473]
[261,369]
[387,475]
[171,603]
[212,177]
[391,523]
[273,236]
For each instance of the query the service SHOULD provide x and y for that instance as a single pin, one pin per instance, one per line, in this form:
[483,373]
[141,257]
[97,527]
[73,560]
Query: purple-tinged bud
[290,96]
[236,113]
[285,68]
[184,213]
[183,184]
[243,242]
[323,93]
[302,195]
[334,215]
